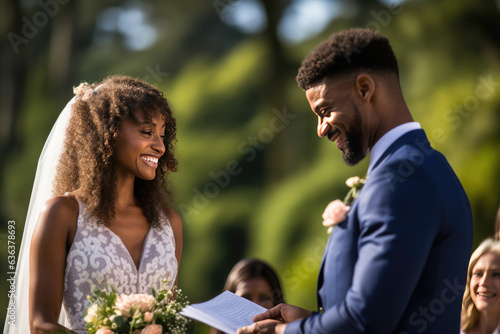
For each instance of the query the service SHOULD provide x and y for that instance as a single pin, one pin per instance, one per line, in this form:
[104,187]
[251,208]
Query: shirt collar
[387,139]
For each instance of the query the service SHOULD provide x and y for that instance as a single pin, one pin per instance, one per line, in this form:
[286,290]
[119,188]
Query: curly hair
[86,168]
[346,52]
[470,314]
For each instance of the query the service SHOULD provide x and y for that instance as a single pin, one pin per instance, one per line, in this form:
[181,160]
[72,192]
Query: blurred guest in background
[254,280]
[481,302]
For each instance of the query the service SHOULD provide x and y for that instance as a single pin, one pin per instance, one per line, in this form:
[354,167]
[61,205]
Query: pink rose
[335,212]
[152,329]
[104,330]
[148,317]
[124,303]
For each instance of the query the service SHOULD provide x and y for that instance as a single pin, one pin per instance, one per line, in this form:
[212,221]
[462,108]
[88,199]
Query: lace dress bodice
[98,258]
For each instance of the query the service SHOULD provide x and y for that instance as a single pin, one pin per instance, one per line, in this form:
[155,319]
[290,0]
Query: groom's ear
[365,87]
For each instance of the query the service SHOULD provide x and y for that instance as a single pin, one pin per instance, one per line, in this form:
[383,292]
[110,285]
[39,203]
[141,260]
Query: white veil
[17,320]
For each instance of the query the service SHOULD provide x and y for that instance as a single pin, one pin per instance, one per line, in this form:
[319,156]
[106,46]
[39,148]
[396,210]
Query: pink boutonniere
[336,211]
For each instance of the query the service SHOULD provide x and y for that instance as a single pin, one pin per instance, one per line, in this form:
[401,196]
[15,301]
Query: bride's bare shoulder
[60,211]
[61,205]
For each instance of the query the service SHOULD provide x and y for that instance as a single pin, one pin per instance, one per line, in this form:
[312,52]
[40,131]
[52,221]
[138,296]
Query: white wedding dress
[98,258]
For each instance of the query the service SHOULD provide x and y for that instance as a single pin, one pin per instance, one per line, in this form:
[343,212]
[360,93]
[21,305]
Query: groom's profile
[398,262]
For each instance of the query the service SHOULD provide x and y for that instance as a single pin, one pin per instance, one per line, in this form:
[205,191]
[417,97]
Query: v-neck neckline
[144,245]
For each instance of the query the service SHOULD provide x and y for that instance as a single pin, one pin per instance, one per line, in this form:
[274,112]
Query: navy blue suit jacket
[398,263]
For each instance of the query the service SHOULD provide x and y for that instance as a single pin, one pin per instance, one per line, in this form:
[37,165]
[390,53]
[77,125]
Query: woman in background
[254,280]
[481,301]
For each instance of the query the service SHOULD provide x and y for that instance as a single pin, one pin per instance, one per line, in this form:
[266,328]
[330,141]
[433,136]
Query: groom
[398,263]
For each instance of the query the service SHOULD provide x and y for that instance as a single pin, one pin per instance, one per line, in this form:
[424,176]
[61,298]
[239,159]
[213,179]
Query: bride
[102,217]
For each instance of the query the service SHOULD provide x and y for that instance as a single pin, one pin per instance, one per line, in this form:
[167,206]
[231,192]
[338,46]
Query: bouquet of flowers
[138,314]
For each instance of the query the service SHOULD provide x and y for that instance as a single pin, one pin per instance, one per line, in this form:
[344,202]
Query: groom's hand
[284,313]
[275,319]
[264,327]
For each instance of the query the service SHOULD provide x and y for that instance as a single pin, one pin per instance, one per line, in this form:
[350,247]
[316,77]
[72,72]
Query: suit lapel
[320,274]
[325,253]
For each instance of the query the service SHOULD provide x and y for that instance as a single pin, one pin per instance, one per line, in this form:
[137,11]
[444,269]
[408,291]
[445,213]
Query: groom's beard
[353,152]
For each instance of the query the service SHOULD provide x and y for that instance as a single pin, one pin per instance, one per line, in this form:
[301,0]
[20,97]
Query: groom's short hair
[346,52]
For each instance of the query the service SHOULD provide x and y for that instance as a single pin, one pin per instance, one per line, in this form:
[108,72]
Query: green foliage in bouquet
[138,313]
[169,303]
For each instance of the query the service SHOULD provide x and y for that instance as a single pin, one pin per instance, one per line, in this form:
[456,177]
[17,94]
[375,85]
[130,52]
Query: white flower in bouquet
[91,314]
